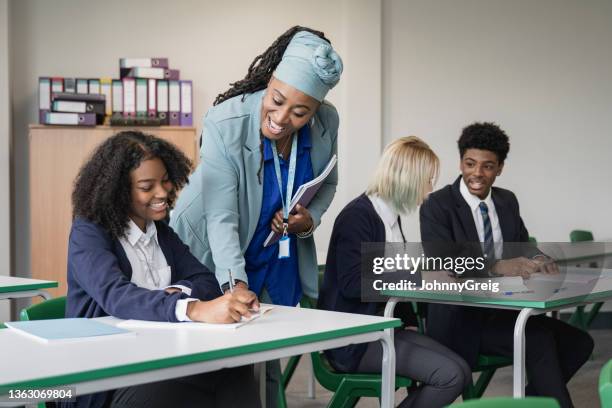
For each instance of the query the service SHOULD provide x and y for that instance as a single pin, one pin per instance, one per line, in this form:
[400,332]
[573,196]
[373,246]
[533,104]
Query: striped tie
[488,247]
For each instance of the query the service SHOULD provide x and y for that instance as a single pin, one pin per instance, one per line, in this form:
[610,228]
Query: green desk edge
[194,358]
[30,286]
[535,304]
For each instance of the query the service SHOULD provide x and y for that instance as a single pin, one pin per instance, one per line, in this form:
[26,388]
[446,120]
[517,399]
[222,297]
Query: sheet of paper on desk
[509,283]
[569,277]
[146,324]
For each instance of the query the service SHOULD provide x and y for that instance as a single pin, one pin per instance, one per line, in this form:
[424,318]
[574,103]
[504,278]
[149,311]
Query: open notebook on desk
[147,324]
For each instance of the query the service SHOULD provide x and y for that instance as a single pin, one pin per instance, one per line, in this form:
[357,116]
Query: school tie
[488,247]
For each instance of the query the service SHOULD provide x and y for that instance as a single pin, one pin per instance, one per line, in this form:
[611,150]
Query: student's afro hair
[102,189]
[484,136]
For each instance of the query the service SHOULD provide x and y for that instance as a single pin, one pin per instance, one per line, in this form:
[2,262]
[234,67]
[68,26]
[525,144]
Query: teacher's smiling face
[285,109]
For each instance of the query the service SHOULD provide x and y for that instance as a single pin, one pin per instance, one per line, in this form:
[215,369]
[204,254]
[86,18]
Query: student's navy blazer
[99,284]
[446,217]
[341,289]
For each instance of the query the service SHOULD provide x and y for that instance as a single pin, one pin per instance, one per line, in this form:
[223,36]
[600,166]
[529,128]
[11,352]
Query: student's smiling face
[149,192]
[284,110]
[480,168]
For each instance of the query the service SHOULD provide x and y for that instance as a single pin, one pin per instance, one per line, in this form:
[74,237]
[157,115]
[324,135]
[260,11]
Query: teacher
[268,134]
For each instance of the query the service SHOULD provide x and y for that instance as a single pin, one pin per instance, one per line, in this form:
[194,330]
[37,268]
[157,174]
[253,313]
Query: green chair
[533,240]
[582,318]
[508,402]
[605,385]
[49,309]
[486,366]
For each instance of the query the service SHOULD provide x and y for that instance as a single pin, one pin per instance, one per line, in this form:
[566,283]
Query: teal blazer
[217,212]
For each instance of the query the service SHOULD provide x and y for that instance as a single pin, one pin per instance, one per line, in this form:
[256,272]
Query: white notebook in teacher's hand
[304,195]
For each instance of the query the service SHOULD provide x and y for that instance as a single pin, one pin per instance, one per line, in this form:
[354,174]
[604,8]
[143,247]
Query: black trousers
[442,373]
[231,387]
[554,351]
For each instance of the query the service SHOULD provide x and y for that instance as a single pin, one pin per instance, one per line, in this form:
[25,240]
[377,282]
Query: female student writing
[404,177]
[267,135]
[124,261]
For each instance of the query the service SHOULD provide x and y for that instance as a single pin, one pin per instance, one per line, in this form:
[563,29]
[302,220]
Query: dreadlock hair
[102,189]
[260,71]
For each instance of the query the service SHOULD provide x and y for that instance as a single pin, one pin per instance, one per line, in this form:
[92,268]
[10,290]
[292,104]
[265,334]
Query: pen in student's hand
[231,281]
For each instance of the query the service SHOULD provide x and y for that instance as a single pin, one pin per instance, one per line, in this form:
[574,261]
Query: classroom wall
[541,69]
[212,43]
[5,148]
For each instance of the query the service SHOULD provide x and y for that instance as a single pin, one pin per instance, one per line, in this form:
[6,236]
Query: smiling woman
[269,133]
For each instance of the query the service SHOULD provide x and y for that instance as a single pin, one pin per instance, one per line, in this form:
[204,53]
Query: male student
[472,210]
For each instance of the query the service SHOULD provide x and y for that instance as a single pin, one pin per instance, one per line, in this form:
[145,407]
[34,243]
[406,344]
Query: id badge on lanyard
[283,244]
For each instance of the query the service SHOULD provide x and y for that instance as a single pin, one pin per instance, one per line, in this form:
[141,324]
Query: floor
[583,387]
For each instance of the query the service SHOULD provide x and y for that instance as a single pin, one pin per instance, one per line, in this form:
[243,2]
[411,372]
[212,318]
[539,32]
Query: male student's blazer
[217,212]
[99,274]
[446,217]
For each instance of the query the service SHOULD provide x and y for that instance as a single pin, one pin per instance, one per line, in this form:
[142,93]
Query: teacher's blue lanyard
[286,199]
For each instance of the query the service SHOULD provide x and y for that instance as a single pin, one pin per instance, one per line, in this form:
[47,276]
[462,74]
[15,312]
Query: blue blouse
[280,277]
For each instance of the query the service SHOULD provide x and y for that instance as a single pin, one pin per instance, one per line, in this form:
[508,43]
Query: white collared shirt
[150,269]
[389,218]
[474,203]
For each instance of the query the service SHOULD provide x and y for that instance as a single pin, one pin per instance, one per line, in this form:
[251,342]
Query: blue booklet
[53,330]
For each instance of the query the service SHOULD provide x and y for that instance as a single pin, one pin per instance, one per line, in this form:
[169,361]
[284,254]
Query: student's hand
[301,221]
[244,295]
[520,266]
[546,264]
[225,309]
[172,290]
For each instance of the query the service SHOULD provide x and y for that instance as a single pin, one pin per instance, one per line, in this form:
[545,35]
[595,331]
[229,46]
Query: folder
[80,103]
[63,118]
[162,101]
[186,103]
[94,86]
[143,62]
[58,330]
[117,91]
[174,103]
[82,86]
[129,97]
[118,120]
[150,73]
[57,84]
[141,97]
[69,85]
[44,98]
[106,90]
[152,99]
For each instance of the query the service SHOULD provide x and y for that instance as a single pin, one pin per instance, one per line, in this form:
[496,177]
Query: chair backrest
[533,240]
[605,385]
[508,402]
[49,309]
[581,235]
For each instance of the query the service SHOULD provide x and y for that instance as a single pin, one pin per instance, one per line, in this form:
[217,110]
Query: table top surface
[36,364]
[15,284]
[540,295]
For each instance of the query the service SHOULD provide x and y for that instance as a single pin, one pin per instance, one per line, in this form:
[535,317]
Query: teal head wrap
[310,64]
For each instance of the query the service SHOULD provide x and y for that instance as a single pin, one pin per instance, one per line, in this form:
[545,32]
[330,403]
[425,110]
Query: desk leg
[260,376]
[44,294]
[387,391]
[519,353]
[389,309]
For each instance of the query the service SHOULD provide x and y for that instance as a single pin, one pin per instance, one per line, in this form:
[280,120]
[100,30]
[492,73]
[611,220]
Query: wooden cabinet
[56,155]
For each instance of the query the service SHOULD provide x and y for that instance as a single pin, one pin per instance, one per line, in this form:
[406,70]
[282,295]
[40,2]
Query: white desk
[526,304]
[12,287]
[151,355]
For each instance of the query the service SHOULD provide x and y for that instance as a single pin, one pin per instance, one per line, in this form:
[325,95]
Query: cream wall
[541,69]
[5,149]
[212,43]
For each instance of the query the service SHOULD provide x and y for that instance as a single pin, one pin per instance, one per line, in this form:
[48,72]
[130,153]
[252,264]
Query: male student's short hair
[484,136]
